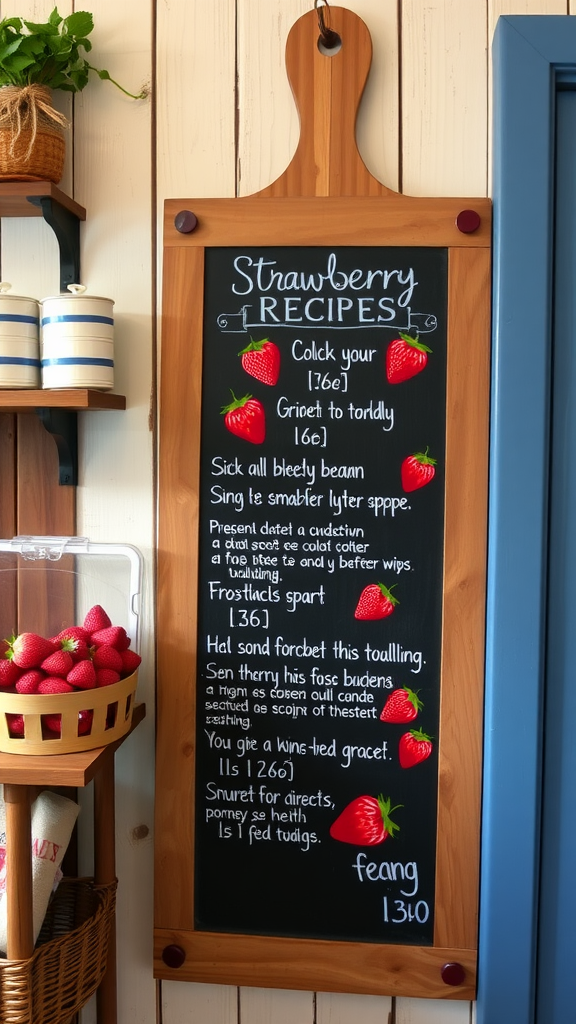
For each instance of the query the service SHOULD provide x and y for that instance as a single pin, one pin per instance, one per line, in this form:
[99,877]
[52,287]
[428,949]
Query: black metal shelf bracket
[66,227]
[63,425]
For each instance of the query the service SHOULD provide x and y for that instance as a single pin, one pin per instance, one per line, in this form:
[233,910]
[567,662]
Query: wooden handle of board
[327,90]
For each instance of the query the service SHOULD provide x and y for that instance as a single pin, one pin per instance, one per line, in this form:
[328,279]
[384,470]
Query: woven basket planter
[69,961]
[32,141]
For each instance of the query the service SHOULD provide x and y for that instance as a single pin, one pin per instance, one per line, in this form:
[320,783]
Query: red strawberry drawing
[365,822]
[415,746]
[95,619]
[245,417]
[28,650]
[375,602]
[405,357]
[402,706]
[261,359]
[417,470]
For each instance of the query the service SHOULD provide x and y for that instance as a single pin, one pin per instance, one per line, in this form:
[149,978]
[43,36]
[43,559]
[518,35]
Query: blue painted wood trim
[529,53]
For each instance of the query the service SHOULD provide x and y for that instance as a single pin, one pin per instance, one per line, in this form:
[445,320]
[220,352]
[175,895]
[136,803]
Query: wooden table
[21,775]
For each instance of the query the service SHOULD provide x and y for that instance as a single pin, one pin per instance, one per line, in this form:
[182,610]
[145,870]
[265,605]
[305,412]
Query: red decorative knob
[173,956]
[468,221]
[452,974]
[185,221]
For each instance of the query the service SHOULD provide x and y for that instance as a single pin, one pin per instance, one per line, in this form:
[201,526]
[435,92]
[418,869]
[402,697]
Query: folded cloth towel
[53,819]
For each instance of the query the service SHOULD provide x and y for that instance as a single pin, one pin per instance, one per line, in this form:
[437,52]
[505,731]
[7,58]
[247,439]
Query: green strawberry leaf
[387,592]
[414,342]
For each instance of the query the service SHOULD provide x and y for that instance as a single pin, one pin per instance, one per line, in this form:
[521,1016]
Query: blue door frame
[534,59]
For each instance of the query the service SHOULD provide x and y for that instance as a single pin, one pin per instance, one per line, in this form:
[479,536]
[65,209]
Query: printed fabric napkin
[53,819]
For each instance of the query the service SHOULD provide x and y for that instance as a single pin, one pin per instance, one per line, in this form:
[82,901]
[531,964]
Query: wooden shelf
[76,399]
[75,770]
[14,200]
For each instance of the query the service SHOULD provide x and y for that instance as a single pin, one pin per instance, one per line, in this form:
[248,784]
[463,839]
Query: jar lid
[5,287]
[76,291]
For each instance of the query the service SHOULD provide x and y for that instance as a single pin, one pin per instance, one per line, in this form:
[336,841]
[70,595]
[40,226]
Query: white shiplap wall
[424,126]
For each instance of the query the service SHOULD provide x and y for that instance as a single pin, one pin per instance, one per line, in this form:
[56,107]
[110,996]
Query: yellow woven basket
[69,961]
[112,708]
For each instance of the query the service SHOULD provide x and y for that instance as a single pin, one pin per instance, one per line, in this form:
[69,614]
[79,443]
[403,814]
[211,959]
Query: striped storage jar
[19,340]
[77,341]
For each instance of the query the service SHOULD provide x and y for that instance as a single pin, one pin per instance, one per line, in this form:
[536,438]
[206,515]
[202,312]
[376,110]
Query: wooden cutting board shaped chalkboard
[322,524]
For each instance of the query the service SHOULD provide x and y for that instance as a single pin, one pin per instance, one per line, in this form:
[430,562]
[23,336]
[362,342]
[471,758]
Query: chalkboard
[295,667]
[322,516]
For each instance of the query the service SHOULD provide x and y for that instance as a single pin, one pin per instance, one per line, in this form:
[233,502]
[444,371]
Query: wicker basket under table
[70,957]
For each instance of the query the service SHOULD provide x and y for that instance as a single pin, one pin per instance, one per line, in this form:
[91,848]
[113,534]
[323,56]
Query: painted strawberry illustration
[405,357]
[402,706]
[417,470]
[375,602]
[261,359]
[365,822]
[245,417]
[415,746]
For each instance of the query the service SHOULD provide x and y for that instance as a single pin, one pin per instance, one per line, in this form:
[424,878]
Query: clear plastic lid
[49,583]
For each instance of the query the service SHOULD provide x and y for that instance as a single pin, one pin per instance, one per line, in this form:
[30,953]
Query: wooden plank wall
[221,123]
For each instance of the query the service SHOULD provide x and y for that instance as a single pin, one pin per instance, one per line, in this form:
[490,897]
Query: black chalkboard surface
[323,432]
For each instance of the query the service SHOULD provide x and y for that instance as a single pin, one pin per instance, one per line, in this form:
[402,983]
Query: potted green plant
[34,60]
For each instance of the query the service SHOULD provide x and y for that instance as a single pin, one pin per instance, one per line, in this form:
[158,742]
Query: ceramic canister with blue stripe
[19,340]
[77,341]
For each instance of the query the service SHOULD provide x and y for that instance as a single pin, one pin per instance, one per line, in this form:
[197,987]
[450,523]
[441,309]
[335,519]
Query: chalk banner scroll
[322,535]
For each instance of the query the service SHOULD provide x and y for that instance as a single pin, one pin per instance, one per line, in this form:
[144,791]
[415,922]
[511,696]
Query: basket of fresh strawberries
[69,692]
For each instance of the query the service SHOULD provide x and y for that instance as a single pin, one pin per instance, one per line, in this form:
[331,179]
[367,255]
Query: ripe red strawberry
[9,673]
[82,675]
[28,650]
[82,653]
[85,722]
[54,684]
[96,619]
[365,822]
[54,722]
[106,677]
[15,725]
[375,602]
[57,664]
[415,746]
[113,636]
[417,470]
[405,357]
[107,657]
[245,417]
[261,359]
[130,662]
[402,706]
[74,633]
[29,681]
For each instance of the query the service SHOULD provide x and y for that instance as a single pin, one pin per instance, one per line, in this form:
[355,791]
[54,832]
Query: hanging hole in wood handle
[329,42]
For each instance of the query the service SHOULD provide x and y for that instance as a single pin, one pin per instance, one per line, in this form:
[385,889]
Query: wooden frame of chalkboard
[293,861]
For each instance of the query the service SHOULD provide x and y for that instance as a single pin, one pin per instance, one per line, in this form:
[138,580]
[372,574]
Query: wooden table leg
[20,922]
[104,872]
